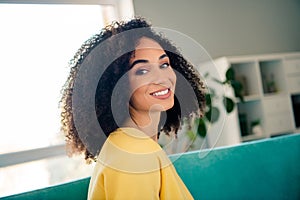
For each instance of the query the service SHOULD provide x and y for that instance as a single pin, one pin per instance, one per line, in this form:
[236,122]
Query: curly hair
[113,71]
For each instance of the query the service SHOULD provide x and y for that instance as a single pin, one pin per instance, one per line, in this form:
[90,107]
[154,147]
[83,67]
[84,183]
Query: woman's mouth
[161,94]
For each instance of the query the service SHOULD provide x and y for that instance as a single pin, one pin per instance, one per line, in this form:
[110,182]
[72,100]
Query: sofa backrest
[72,190]
[264,169]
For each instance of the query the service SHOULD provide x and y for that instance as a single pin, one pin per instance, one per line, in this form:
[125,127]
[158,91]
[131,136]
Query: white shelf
[269,80]
[252,137]
[247,98]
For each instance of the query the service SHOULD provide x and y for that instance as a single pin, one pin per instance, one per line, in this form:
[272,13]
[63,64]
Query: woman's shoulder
[130,150]
[133,140]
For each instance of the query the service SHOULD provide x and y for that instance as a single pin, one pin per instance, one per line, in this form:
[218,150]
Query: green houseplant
[212,113]
[197,129]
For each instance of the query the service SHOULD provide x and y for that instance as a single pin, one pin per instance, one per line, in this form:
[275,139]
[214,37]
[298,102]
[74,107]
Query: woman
[143,87]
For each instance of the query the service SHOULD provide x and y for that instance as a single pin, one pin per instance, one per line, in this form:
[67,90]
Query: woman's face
[151,78]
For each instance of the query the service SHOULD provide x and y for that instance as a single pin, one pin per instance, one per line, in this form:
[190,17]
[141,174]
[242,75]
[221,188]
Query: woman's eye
[165,65]
[141,72]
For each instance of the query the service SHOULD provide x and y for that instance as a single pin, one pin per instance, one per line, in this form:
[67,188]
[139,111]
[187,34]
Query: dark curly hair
[113,70]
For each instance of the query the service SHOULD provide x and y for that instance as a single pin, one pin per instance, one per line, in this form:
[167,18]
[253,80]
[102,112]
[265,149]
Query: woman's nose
[160,76]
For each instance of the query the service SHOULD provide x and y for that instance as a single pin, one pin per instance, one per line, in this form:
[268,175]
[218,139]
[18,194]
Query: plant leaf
[230,75]
[213,114]
[206,75]
[191,135]
[201,128]
[238,89]
[228,104]
[208,114]
[208,99]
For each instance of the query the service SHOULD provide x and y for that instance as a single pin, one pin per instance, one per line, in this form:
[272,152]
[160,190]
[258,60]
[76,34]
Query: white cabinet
[278,116]
[292,73]
[271,84]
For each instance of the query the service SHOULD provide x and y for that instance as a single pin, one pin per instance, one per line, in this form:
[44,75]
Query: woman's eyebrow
[138,61]
[146,61]
[162,56]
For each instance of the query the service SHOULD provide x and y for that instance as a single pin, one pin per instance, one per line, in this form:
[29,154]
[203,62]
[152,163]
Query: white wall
[229,27]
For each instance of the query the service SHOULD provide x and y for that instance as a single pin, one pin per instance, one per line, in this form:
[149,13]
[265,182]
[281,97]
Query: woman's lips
[161,94]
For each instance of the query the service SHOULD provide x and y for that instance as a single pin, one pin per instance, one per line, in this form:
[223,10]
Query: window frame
[124,10]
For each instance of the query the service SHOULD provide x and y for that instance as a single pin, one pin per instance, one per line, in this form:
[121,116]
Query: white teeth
[161,93]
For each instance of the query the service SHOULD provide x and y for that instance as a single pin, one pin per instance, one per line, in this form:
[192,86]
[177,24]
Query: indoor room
[235,130]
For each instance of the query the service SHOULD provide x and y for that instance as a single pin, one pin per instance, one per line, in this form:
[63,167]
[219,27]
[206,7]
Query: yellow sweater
[132,166]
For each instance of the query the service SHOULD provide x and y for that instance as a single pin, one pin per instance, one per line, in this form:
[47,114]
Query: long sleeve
[134,168]
[116,185]
[172,187]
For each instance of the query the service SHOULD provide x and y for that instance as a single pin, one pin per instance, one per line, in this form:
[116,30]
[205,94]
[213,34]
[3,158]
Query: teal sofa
[264,169]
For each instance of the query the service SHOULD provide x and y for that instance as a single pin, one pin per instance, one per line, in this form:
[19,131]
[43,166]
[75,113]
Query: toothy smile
[160,93]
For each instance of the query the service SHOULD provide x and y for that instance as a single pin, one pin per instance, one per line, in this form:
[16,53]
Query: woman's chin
[162,107]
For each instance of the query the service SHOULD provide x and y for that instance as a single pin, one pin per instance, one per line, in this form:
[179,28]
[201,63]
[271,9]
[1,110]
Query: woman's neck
[144,121]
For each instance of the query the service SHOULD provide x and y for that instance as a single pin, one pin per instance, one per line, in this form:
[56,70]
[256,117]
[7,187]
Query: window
[37,42]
